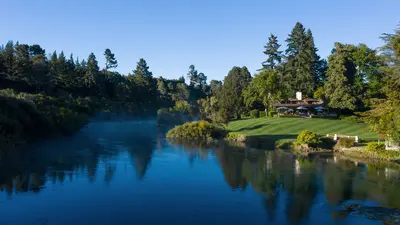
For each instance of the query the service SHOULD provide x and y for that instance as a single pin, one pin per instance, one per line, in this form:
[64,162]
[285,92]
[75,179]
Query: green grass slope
[289,128]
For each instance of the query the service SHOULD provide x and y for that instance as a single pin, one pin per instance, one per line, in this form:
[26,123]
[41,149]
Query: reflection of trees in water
[55,161]
[268,172]
[141,154]
[59,160]
[232,167]
[302,178]
[338,182]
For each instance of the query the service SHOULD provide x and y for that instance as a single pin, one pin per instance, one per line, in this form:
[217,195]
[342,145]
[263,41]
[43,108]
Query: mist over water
[126,172]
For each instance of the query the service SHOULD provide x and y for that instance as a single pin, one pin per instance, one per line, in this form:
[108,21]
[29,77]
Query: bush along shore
[27,117]
[308,142]
[198,130]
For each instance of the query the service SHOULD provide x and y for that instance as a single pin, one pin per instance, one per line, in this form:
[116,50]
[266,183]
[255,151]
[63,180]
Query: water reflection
[291,190]
[298,181]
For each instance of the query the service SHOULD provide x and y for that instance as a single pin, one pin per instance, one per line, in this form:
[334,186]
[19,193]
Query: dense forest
[47,94]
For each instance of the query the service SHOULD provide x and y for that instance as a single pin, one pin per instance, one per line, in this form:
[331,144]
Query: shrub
[272,113]
[353,118]
[196,130]
[25,117]
[376,147]
[221,116]
[254,113]
[307,137]
[236,137]
[262,114]
[345,142]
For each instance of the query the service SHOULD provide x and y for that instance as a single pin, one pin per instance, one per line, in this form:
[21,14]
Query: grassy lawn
[289,128]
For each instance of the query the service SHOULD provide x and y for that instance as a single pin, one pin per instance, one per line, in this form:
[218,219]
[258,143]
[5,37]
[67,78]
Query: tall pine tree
[274,56]
[142,75]
[301,60]
[111,62]
[340,78]
[92,70]
[22,64]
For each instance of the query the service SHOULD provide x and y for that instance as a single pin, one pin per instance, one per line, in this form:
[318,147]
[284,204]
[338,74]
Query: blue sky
[214,35]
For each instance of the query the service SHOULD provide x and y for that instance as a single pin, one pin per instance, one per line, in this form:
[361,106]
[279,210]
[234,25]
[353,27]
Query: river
[128,173]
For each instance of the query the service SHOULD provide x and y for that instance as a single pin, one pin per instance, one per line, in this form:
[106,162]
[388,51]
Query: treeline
[26,68]
[354,80]
[46,94]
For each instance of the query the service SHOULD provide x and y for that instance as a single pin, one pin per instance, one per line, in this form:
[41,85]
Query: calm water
[127,173]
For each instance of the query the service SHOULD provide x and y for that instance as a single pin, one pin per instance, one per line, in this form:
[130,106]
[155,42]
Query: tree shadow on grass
[251,128]
[266,141]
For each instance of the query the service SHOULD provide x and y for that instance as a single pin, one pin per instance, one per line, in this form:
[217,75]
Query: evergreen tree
[230,97]
[39,66]
[9,58]
[301,60]
[162,87]
[62,69]
[22,64]
[340,74]
[111,62]
[215,86]
[313,57]
[273,53]
[182,92]
[196,79]
[36,50]
[142,74]
[71,63]
[3,69]
[322,67]
[53,70]
[92,71]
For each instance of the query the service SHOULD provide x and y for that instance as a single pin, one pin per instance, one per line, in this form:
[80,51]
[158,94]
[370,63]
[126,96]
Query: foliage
[302,60]
[345,142]
[262,114]
[375,147]
[254,113]
[237,137]
[111,61]
[196,130]
[353,76]
[178,114]
[230,99]
[320,93]
[167,117]
[384,117]
[208,108]
[352,118]
[264,88]
[183,107]
[307,137]
[274,56]
[197,80]
[272,113]
[338,87]
[386,155]
[25,117]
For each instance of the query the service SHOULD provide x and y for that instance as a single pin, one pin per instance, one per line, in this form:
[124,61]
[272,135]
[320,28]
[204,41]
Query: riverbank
[282,132]
[26,118]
